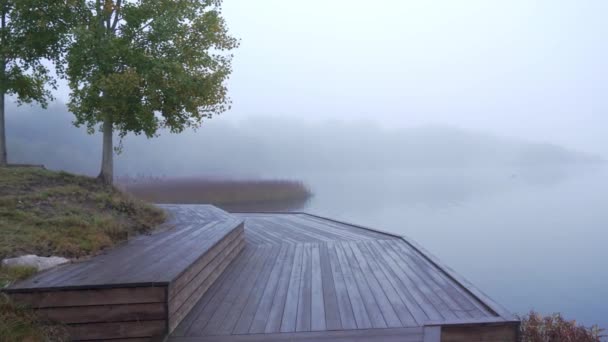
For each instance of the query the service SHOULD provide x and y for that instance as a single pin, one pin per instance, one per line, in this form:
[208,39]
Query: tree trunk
[107,155]
[3,158]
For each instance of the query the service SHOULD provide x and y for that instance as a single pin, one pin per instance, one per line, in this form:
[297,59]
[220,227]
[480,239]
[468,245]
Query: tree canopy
[139,66]
[30,32]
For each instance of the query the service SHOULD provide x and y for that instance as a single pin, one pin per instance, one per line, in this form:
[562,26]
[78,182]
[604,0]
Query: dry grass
[218,192]
[14,273]
[55,213]
[538,328]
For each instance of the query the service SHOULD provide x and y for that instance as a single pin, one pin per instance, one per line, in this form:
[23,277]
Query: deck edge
[466,285]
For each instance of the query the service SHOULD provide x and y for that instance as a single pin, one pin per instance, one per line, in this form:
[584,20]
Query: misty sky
[519,68]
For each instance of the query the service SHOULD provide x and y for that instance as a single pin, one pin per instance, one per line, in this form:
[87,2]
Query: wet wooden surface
[299,273]
[158,258]
[278,276]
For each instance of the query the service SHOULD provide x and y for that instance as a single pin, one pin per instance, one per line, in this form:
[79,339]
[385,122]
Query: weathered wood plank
[260,276]
[223,283]
[317,308]
[379,282]
[487,302]
[193,271]
[480,333]
[271,323]
[305,293]
[184,293]
[213,307]
[176,317]
[462,307]
[360,312]
[380,299]
[434,293]
[105,313]
[290,313]
[270,271]
[330,299]
[248,277]
[412,307]
[257,317]
[105,331]
[347,317]
[47,299]
[408,287]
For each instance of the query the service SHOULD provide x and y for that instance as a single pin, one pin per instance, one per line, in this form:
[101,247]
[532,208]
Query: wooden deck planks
[269,274]
[293,276]
[227,277]
[318,318]
[305,292]
[345,306]
[379,281]
[271,322]
[362,318]
[383,270]
[290,312]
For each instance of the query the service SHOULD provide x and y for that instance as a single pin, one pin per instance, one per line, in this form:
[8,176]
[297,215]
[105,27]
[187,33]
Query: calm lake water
[534,238]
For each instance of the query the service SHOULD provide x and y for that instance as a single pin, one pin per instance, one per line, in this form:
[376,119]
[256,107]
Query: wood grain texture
[106,331]
[131,295]
[159,258]
[480,333]
[279,276]
[105,313]
[317,275]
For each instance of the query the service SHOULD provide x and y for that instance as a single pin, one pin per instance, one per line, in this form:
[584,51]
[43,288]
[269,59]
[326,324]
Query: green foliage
[149,64]
[19,324]
[538,328]
[55,213]
[30,31]
[13,273]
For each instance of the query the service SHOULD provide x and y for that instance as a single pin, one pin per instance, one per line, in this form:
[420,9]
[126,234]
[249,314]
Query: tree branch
[116,15]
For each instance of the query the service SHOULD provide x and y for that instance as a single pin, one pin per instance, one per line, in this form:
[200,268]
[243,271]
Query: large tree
[30,32]
[142,65]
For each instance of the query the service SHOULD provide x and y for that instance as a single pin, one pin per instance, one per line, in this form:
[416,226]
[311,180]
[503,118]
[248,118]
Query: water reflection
[530,237]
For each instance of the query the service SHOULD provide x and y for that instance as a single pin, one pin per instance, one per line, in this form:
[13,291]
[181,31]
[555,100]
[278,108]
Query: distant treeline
[268,148]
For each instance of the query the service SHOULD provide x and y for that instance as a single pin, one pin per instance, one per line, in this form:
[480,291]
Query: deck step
[144,288]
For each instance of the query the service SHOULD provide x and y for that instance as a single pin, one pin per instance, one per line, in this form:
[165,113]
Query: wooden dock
[266,277]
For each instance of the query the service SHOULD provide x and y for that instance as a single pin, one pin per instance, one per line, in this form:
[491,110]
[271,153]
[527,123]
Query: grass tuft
[48,213]
[14,273]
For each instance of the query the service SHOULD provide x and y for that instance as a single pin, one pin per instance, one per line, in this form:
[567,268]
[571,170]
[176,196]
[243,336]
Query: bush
[554,328]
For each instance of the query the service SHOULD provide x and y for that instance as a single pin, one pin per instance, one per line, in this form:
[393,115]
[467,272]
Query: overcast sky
[527,69]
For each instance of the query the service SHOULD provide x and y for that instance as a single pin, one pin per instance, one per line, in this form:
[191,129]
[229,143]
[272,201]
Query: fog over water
[475,127]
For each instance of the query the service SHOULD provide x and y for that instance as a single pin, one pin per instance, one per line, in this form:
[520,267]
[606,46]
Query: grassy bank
[218,192]
[55,213]
[47,213]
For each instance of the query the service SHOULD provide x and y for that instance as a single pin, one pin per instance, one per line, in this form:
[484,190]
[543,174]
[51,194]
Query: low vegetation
[14,273]
[219,192]
[18,324]
[553,328]
[47,213]
[55,213]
